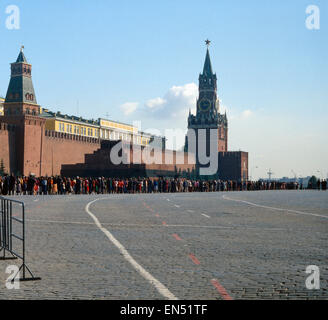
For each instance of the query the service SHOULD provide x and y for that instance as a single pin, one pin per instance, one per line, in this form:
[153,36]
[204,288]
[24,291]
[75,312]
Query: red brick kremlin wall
[7,136]
[60,149]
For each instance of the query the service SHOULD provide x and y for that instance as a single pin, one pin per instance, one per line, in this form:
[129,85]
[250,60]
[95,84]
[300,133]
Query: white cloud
[129,107]
[176,102]
[154,103]
[247,113]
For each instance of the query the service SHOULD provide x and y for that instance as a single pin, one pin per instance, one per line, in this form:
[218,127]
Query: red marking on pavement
[224,294]
[164,223]
[149,208]
[194,259]
[176,237]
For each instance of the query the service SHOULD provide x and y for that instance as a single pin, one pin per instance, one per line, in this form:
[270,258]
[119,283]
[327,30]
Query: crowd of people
[11,185]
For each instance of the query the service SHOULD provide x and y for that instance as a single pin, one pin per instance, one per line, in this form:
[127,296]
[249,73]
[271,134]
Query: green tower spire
[208,71]
[20,89]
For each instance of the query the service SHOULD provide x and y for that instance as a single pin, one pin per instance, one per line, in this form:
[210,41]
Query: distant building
[301,180]
[103,129]
[2,101]
[304,181]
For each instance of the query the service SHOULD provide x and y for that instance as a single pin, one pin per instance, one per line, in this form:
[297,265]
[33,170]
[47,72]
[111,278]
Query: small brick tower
[21,110]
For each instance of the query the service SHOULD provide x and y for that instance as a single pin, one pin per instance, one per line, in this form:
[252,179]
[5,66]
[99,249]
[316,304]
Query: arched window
[29,96]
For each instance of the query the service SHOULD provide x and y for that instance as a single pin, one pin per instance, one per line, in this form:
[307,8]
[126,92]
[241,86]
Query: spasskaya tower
[208,106]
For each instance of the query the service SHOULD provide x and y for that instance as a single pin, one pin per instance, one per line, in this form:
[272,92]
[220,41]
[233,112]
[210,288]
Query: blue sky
[140,60]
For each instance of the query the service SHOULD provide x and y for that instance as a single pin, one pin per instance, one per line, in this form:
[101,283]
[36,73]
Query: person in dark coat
[30,185]
[78,185]
[12,181]
[318,184]
[324,185]
[5,188]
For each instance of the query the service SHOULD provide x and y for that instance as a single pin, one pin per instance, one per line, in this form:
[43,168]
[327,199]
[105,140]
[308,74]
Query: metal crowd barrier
[10,223]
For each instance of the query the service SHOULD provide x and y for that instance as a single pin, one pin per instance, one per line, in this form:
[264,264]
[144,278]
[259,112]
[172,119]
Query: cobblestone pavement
[198,246]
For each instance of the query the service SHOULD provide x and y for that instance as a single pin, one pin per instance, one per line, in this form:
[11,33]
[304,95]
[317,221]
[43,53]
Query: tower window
[29,96]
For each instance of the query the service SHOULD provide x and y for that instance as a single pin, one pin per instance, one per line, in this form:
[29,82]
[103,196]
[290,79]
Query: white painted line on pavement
[122,225]
[278,209]
[205,215]
[144,273]
[177,206]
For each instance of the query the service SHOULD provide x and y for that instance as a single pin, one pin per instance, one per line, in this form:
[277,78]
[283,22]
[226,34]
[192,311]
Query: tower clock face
[204,105]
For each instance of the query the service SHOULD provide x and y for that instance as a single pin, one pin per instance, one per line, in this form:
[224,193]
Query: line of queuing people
[11,185]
